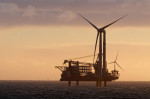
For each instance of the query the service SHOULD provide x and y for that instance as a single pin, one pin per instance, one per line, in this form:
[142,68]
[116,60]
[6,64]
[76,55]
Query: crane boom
[77,62]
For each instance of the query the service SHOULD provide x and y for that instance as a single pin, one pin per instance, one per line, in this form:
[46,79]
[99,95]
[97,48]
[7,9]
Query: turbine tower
[101,34]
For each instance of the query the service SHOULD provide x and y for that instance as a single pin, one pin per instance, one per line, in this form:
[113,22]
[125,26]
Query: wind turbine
[102,44]
[115,63]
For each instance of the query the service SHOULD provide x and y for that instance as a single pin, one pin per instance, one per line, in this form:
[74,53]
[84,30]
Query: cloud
[67,16]
[30,11]
[52,12]
[6,8]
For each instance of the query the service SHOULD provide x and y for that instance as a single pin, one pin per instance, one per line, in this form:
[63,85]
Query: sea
[85,90]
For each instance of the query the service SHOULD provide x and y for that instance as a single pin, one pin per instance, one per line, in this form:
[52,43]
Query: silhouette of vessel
[82,71]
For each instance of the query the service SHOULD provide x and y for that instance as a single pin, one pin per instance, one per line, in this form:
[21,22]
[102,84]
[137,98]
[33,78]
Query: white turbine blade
[117,56]
[119,66]
[111,62]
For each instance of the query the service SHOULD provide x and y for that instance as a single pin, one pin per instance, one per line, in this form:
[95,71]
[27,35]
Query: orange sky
[31,53]
[35,37]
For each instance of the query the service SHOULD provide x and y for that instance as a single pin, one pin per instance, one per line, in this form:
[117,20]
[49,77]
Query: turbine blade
[119,66]
[87,21]
[95,46]
[113,22]
[111,62]
[117,56]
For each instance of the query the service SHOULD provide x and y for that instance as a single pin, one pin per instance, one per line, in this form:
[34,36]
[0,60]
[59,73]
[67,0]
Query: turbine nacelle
[101,30]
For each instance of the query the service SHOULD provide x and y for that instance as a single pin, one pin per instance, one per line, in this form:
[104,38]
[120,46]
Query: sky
[37,35]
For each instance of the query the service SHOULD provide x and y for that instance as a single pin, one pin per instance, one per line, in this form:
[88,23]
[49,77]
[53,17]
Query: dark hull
[88,78]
